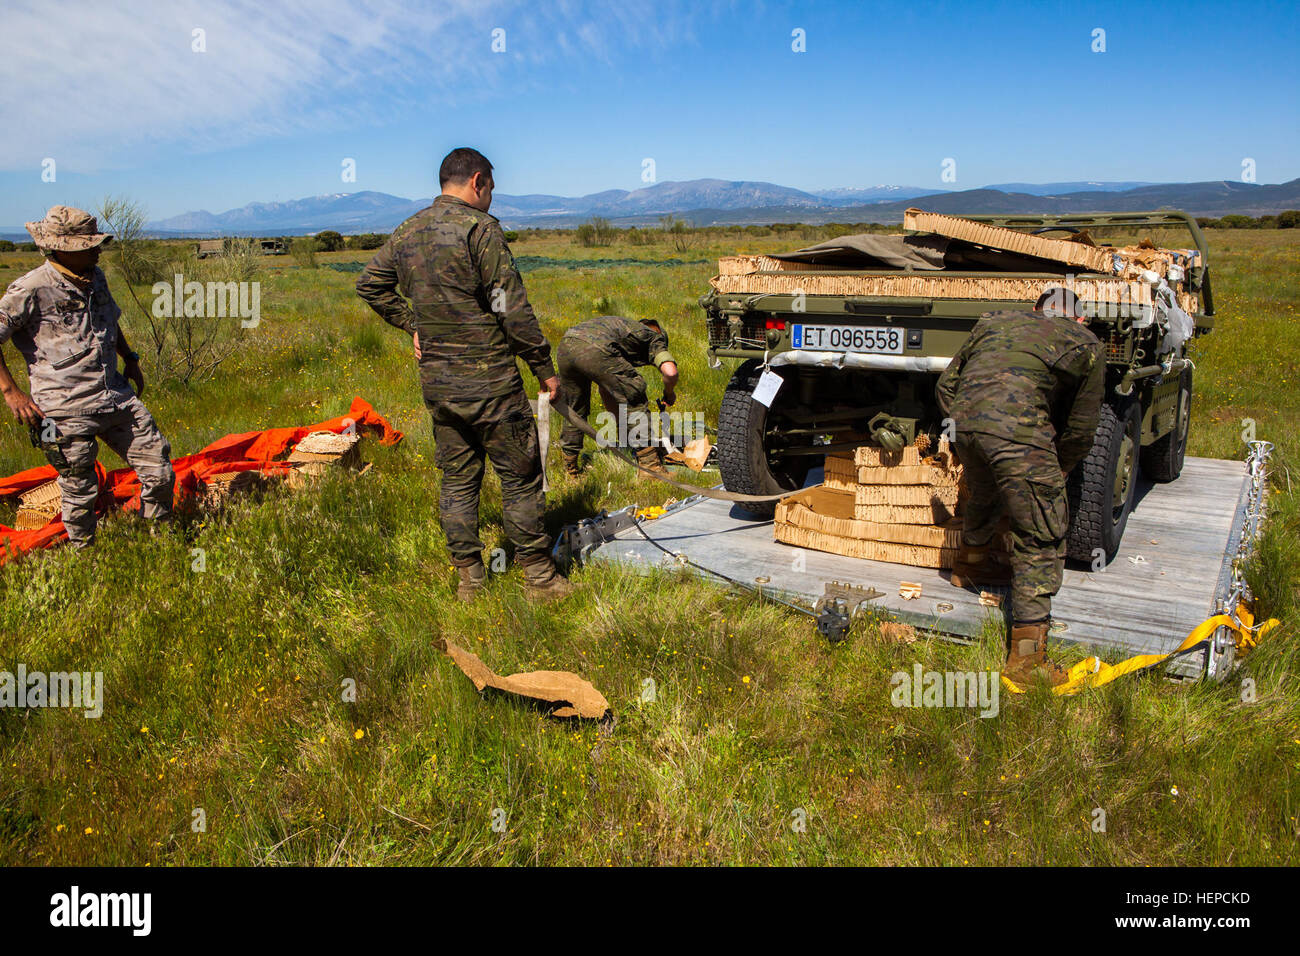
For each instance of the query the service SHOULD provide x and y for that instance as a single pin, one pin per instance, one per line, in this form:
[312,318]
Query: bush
[6,245]
[512,235]
[329,240]
[683,236]
[1289,219]
[28,247]
[366,240]
[240,260]
[304,249]
[596,232]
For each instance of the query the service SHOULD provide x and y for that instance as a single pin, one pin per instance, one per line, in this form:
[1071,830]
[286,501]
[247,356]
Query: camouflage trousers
[1026,484]
[580,366]
[131,432]
[467,433]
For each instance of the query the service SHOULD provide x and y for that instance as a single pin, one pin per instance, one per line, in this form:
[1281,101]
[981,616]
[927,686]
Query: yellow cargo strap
[1093,672]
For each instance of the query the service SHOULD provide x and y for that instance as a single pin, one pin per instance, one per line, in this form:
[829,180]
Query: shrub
[683,236]
[6,245]
[329,240]
[596,232]
[304,249]
[366,240]
[1289,219]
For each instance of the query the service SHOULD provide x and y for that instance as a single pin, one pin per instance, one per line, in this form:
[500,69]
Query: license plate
[848,338]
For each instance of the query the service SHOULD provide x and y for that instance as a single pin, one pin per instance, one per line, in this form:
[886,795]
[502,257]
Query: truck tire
[742,455]
[1102,487]
[1163,459]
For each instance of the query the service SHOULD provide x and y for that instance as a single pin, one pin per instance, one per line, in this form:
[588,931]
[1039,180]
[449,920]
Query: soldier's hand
[552,387]
[131,369]
[670,397]
[24,409]
[415,340]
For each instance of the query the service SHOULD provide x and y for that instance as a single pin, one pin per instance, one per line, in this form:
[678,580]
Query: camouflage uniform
[606,351]
[1025,394]
[469,308]
[68,337]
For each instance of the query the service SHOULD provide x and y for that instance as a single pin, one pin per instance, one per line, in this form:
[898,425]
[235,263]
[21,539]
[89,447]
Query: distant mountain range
[724,202]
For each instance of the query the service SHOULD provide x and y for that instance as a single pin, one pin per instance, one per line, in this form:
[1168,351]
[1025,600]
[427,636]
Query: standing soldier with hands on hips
[63,320]
[1024,393]
[469,317]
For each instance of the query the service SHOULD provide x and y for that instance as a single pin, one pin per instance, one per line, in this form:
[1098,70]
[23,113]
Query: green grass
[224,689]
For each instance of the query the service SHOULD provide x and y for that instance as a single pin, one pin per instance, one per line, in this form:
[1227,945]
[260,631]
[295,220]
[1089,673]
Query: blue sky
[583,93]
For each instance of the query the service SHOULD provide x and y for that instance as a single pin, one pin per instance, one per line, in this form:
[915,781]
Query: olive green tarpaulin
[868,251]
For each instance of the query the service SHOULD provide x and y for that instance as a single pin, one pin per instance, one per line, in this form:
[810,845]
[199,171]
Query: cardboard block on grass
[567,695]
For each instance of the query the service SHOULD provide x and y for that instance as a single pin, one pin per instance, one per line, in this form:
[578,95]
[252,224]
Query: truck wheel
[1102,487]
[1162,460]
[742,452]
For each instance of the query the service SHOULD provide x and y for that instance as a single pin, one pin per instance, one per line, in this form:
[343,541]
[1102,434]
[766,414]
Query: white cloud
[90,83]
[100,86]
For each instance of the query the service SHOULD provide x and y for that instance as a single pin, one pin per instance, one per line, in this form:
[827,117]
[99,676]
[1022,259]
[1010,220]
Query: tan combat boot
[572,464]
[1027,655]
[980,567]
[542,581]
[473,580]
[649,459]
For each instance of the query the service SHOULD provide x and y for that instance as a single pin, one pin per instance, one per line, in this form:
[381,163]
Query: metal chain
[1252,524]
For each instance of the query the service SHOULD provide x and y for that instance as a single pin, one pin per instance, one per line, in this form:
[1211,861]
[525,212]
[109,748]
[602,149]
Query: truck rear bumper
[861,360]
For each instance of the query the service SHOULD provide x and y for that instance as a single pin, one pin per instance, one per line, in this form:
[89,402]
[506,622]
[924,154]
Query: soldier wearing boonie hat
[63,321]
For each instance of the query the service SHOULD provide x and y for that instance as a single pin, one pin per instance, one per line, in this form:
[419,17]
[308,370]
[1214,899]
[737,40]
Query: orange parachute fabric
[249,451]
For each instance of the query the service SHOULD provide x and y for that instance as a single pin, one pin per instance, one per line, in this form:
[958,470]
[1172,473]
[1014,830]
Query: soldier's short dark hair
[462,163]
[1063,302]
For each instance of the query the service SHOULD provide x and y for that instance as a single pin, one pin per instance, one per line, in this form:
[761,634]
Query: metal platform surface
[1172,568]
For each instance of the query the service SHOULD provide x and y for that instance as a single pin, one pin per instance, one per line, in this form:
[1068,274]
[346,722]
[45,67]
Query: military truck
[858,329]
[220,247]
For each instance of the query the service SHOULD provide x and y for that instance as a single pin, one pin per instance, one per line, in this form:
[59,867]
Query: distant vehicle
[220,247]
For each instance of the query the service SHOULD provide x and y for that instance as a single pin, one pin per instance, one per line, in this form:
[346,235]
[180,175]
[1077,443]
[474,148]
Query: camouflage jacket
[1028,378]
[467,302]
[68,337]
[638,344]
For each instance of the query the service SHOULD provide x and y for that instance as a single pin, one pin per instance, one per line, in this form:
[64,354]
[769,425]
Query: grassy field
[224,689]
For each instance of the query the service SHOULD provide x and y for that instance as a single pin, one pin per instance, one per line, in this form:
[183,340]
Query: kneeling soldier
[1024,392]
[606,352]
[63,320]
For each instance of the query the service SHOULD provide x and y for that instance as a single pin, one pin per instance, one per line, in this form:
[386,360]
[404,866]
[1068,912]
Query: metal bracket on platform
[839,604]
[575,543]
